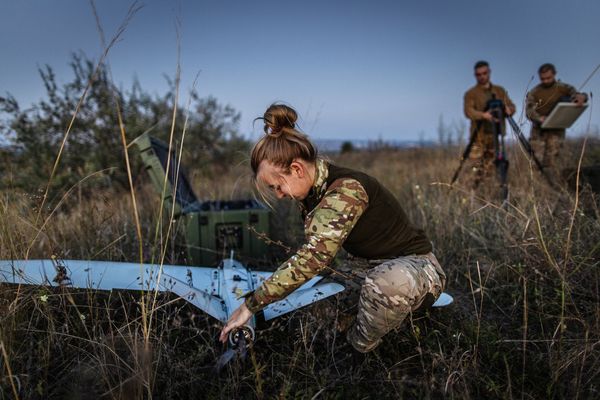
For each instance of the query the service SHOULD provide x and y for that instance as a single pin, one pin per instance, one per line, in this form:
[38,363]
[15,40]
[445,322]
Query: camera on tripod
[496,108]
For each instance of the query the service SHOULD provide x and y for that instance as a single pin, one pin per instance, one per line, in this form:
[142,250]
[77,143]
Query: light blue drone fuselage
[217,291]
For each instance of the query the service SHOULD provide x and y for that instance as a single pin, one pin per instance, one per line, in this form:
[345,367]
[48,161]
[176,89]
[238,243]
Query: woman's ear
[298,169]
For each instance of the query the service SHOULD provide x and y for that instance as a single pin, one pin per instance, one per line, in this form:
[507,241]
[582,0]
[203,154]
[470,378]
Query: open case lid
[563,115]
[154,154]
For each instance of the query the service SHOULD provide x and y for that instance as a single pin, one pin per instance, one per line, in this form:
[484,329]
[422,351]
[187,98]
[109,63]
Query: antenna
[588,78]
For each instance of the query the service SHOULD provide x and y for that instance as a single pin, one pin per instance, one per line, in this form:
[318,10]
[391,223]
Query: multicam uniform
[349,209]
[480,165]
[540,102]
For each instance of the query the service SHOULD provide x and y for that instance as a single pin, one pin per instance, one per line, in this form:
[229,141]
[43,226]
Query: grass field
[525,278]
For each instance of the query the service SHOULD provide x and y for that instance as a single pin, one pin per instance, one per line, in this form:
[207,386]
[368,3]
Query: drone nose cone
[242,336]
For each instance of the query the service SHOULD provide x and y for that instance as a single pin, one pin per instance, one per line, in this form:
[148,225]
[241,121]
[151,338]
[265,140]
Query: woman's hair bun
[282,143]
[278,118]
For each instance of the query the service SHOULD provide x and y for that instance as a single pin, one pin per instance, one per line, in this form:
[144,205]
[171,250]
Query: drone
[216,291]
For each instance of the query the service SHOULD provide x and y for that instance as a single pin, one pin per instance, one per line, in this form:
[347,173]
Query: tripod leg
[529,149]
[500,159]
[466,154]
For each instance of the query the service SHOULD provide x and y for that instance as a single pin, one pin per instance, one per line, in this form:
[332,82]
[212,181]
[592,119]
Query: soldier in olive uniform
[480,165]
[341,208]
[540,102]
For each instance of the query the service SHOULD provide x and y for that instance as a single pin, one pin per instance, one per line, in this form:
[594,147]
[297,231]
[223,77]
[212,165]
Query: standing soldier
[540,102]
[481,157]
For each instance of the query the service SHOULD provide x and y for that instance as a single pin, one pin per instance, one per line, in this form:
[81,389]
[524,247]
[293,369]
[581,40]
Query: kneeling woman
[341,208]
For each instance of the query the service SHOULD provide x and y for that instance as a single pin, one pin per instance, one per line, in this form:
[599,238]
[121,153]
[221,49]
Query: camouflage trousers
[390,292]
[480,167]
[547,145]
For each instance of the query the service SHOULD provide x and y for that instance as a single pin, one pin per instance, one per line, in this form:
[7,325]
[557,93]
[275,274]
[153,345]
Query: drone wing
[444,300]
[193,284]
[306,294]
[102,275]
[212,305]
[312,292]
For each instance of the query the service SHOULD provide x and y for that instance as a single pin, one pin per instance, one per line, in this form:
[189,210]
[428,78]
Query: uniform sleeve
[531,108]
[326,229]
[469,107]
[507,101]
[570,89]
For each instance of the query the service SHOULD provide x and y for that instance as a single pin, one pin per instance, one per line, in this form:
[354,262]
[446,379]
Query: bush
[94,139]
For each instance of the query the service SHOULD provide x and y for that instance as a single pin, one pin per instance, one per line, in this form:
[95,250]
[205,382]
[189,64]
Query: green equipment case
[212,228]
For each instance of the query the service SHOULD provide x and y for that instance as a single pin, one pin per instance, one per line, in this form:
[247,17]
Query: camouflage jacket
[542,99]
[326,227]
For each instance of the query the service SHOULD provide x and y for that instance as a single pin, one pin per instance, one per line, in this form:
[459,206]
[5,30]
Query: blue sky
[353,69]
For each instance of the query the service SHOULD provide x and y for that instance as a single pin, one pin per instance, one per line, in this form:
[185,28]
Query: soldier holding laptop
[541,100]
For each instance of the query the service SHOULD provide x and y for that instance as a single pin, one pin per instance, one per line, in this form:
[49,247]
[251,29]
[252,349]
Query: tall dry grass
[524,276]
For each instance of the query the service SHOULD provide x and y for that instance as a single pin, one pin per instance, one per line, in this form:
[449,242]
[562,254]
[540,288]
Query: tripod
[496,108]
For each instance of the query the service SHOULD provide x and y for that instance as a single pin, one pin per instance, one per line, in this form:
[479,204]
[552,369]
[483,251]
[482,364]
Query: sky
[352,69]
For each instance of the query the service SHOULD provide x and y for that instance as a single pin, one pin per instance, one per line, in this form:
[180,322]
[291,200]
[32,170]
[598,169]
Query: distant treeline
[340,145]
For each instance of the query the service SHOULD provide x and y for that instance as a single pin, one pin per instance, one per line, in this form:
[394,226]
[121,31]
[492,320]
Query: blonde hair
[282,142]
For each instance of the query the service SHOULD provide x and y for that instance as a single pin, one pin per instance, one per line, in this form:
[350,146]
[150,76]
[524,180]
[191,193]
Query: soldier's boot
[359,344]
[344,322]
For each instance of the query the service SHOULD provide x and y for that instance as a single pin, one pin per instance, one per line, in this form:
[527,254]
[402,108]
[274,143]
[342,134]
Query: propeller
[239,341]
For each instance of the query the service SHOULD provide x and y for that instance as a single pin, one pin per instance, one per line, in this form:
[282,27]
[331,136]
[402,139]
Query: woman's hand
[239,318]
